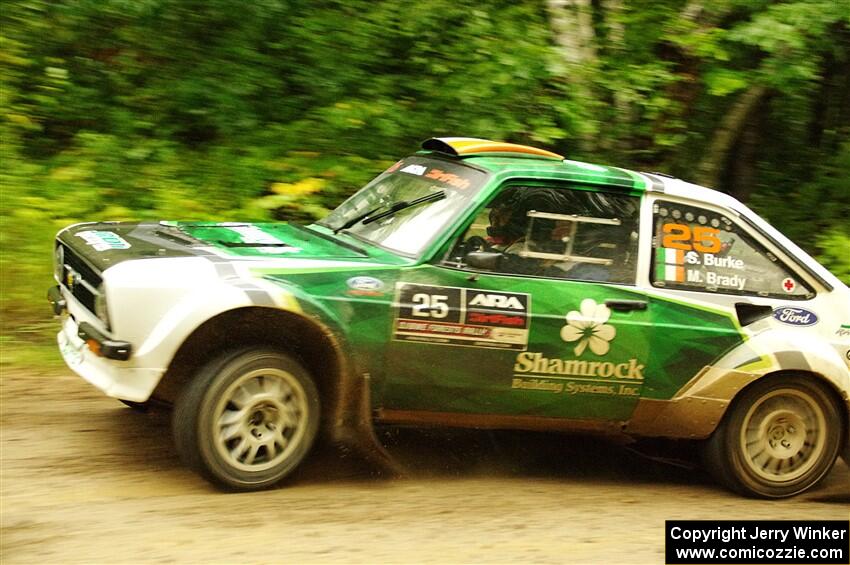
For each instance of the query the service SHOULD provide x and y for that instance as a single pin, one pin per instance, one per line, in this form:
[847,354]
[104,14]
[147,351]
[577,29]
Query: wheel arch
[699,408]
[315,345]
[829,385]
[737,466]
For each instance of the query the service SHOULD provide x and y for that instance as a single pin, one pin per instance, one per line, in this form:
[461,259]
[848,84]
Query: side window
[554,232]
[698,249]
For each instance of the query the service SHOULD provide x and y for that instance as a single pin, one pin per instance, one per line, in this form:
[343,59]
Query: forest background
[279,109]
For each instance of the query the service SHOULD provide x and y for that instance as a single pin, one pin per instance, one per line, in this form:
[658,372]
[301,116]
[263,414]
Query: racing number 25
[429,305]
[701,238]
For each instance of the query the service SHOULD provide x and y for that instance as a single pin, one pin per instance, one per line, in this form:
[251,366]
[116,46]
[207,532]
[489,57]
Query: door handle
[626,305]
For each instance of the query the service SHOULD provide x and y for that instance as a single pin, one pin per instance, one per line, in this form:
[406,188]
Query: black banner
[757,541]
[461,316]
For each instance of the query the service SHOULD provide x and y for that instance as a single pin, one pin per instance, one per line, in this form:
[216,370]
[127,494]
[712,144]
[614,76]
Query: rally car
[473,284]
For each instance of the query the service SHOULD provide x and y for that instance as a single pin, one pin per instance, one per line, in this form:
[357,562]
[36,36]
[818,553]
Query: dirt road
[85,479]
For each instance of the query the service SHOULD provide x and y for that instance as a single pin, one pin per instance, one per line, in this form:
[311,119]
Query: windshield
[410,229]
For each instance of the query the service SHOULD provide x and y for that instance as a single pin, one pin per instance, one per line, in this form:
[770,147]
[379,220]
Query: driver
[509,220]
[512,231]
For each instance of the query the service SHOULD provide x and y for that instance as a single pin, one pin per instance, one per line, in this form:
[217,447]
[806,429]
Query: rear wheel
[248,419]
[779,438]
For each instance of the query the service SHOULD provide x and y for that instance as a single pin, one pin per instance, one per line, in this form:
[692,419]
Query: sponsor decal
[571,387]
[795,316]
[252,235]
[417,170]
[587,327]
[365,286]
[431,173]
[461,316]
[788,285]
[448,178]
[530,362]
[103,240]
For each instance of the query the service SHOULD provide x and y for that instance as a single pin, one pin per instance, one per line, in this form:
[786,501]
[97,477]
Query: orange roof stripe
[461,146]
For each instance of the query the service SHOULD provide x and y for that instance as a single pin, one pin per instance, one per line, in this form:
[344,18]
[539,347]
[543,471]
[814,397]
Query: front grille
[87,279]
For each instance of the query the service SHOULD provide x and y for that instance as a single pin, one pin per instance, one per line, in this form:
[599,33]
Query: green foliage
[278,109]
[834,246]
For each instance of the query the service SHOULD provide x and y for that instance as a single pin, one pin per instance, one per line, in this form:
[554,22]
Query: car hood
[106,244]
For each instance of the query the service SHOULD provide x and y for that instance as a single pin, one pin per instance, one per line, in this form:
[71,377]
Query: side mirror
[484,260]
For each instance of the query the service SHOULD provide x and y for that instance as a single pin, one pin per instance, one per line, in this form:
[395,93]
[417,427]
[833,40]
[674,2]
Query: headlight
[100,309]
[59,263]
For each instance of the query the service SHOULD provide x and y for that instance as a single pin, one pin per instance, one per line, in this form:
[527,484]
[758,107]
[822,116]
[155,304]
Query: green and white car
[474,284]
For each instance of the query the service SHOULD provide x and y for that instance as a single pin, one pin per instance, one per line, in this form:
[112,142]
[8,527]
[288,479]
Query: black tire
[779,438]
[247,419]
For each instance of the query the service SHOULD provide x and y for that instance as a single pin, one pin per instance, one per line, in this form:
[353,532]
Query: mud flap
[352,430]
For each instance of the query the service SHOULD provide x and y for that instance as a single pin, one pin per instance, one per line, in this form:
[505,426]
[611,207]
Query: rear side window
[699,249]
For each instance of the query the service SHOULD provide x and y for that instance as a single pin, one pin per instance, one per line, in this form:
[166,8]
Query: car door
[539,320]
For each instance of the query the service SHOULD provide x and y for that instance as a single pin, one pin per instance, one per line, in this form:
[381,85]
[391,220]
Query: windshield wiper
[368,218]
[356,219]
[405,204]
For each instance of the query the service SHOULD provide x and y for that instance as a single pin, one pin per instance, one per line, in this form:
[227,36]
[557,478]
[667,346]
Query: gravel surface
[86,480]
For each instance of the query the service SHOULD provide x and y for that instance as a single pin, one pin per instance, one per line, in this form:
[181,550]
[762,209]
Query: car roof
[513,160]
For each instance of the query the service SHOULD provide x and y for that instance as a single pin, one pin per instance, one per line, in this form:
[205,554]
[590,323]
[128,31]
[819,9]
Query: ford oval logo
[794,316]
[365,283]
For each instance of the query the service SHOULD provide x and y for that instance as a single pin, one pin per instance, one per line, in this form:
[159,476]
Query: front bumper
[118,379]
[98,343]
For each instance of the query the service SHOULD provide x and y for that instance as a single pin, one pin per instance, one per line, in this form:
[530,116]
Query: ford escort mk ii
[474,284]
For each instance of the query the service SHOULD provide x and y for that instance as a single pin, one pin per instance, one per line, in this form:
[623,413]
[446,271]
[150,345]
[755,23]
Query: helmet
[509,214]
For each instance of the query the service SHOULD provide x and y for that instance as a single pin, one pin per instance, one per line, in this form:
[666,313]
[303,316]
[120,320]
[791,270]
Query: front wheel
[247,419]
[779,438]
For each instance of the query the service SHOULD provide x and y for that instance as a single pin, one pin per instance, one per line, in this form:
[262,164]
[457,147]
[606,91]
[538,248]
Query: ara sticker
[103,240]
[365,286]
[795,316]
[461,316]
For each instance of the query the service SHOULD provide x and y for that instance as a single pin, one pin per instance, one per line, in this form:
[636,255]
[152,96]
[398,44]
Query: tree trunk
[572,23]
[711,168]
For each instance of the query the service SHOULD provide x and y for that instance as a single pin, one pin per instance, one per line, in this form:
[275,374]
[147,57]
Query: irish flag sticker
[670,265]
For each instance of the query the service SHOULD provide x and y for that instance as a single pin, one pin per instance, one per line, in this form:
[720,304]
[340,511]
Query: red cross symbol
[788,285]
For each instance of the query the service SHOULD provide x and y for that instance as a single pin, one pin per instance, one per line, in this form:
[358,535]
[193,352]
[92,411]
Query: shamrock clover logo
[588,328]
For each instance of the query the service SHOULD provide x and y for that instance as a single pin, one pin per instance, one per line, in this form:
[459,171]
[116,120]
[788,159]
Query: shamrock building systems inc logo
[587,326]
[587,329]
